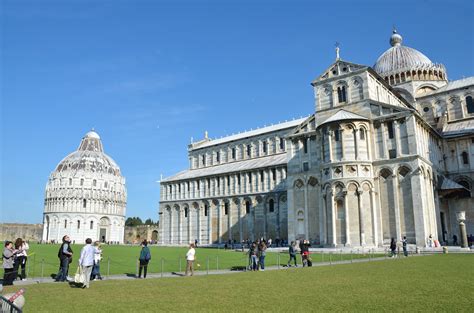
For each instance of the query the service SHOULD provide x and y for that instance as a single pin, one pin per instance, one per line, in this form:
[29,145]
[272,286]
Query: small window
[91,225]
[198,185]
[70,181]
[249,150]
[392,153]
[106,185]
[218,157]
[261,176]
[203,159]
[390,129]
[362,134]
[336,135]
[465,157]
[185,212]
[226,208]
[218,182]
[426,109]
[305,166]
[208,183]
[271,205]
[305,146]
[233,153]
[250,177]
[206,210]
[228,180]
[188,184]
[264,147]
[82,181]
[247,207]
[238,179]
[341,94]
[274,176]
[65,223]
[94,183]
[171,189]
[84,203]
[282,144]
[78,224]
[179,188]
[470,104]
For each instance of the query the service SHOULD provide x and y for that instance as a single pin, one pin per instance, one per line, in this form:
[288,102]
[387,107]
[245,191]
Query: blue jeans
[96,271]
[261,262]
[63,270]
[254,262]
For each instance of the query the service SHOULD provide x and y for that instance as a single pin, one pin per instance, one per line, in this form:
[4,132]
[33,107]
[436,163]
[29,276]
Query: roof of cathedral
[89,156]
[462,127]
[238,166]
[455,84]
[343,115]
[400,58]
[250,133]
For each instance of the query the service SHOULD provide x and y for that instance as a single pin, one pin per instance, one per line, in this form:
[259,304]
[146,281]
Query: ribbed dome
[89,156]
[399,58]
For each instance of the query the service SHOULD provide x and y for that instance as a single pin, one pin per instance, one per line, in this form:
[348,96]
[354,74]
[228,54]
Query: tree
[133,221]
[149,221]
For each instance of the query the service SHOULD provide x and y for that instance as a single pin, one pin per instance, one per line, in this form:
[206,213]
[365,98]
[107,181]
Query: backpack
[148,255]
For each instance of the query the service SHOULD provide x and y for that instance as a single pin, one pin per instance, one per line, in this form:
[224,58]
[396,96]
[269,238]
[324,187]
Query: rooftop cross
[337,50]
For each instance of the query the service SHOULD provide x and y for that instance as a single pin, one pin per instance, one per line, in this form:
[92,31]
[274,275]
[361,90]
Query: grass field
[123,259]
[428,283]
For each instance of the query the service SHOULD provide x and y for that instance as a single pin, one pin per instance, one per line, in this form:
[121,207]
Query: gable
[338,68]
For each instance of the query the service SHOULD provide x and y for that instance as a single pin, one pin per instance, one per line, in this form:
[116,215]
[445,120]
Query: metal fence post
[108,266]
[351,255]
[162,265]
[217,262]
[207,266]
[330,258]
[136,271]
[322,256]
[179,264]
[341,255]
[370,257]
[42,269]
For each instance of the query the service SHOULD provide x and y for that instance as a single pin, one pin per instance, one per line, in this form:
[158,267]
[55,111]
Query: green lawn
[123,259]
[429,284]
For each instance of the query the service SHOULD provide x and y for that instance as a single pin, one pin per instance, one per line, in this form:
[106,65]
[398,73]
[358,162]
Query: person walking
[292,252]
[393,247]
[190,257]
[97,258]
[262,252]
[253,257]
[144,259]
[404,245]
[8,261]
[86,261]
[65,258]
[455,240]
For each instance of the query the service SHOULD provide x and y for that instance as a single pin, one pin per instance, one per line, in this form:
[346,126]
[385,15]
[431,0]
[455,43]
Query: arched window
[467,192]
[247,207]
[82,181]
[226,208]
[70,181]
[465,158]
[336,134]
[65,223]
[233,153]
[94,183]
[264,147]
[78,224]
[206,210]
[271,205]
[282,144]
[105,185]
[218,157]
[341,94]
[305,145]
[84,203]
[185,212]
[362,134]
[92,225]
[470,104]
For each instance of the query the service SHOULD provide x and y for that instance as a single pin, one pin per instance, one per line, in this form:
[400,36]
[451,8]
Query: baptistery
[85,196]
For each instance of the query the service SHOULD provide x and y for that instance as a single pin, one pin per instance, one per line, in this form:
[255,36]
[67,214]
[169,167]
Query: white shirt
[87,255]
[97,254]
[24,250]
[190,254]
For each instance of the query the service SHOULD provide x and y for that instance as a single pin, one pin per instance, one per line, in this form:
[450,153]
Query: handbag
[79,277]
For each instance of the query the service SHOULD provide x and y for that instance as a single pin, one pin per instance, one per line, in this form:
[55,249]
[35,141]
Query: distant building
[389,152]
[85,196]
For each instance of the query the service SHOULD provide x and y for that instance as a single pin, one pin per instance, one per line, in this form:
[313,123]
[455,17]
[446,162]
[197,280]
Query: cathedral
[387,153]
[85,196]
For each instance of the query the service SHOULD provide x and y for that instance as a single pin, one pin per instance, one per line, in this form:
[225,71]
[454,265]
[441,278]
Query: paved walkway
[37,280]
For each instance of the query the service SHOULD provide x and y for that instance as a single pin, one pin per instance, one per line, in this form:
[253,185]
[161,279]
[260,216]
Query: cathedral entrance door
[103,235]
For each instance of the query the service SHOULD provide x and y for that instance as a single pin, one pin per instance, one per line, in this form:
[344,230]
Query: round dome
[92,134]
[399,57]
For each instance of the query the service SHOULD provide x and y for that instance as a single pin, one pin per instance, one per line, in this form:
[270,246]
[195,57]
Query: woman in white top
[21,257]
[190,257]
[97,258]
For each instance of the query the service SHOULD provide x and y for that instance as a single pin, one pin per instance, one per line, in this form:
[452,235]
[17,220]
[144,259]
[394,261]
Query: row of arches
[419,74]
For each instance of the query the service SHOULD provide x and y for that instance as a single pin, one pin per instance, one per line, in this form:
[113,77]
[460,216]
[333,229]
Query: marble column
[396,207]
[346,220]
[361,217]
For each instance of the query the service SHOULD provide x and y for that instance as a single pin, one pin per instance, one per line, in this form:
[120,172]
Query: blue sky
[149,75]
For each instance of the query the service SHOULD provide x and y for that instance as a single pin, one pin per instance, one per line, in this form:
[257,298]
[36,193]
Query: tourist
[86,261]
[269,243]
[305,253]
[65,258]
[430,241]
[404,244]
[292,252]
[8,263]
[393,247]
[20,260]
[253,257]
[196,242]
[262,251]
[455,240]
[145,257]
[190,257]
[97,258]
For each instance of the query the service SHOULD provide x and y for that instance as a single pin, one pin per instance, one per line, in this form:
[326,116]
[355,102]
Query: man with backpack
[145,257]
[65,258]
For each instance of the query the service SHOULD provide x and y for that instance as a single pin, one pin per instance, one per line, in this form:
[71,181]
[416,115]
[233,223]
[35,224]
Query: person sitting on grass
[145,257]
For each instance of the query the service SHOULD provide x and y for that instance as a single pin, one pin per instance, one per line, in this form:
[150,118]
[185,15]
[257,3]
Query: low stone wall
[135,234]
[30,232]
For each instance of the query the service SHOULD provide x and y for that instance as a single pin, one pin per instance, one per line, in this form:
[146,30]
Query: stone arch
[386,185]
[357,88]
[326,96]
[467,183]
[343,91]
[405,201]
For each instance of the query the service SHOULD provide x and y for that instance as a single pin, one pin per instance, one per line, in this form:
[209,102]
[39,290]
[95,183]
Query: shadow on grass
[130,274]
[177,274]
